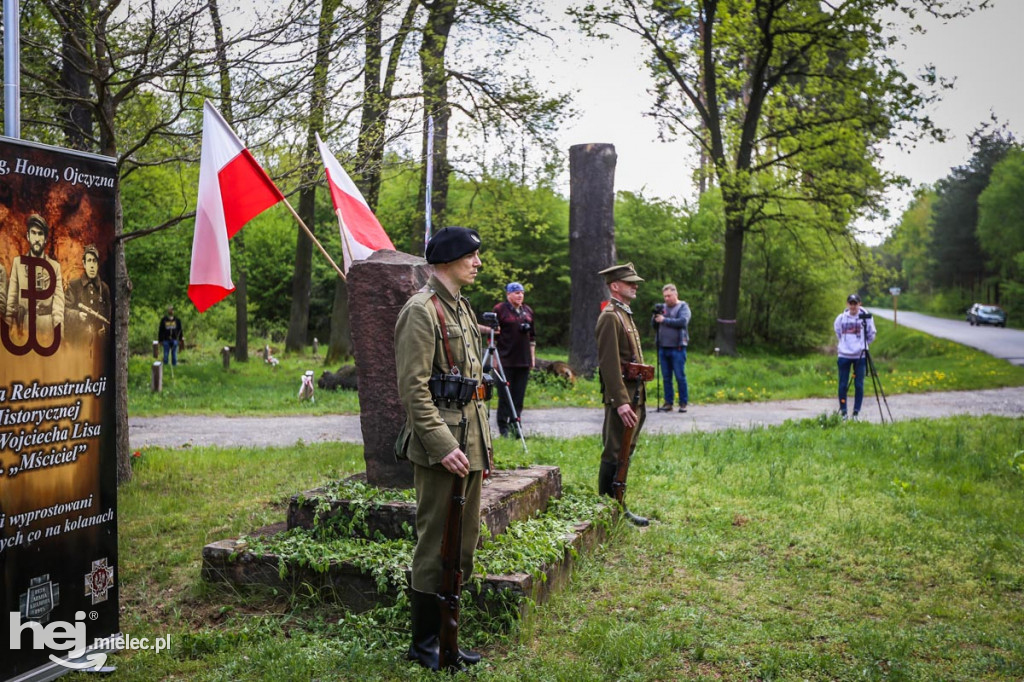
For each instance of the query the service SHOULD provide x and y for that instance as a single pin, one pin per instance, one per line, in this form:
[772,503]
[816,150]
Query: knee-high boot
[605,478]
[426,624]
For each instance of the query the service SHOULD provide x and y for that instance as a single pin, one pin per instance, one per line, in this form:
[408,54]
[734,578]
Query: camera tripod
[657,356]
[497,374]
[876,382]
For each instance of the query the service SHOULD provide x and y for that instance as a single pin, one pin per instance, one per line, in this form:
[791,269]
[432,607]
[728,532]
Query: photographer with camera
[517,350]
[670,322]
[855,330]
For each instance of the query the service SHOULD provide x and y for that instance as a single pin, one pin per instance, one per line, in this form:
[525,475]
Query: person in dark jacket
[170,335]
[517,346]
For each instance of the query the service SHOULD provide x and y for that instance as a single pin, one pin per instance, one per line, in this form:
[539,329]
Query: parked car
[980,313]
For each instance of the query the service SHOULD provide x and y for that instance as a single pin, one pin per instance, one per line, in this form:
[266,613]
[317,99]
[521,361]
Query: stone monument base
[512,495]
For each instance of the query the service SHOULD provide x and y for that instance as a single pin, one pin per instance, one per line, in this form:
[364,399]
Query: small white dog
[306,388]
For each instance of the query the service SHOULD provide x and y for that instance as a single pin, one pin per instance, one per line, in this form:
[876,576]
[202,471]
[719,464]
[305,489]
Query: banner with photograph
[58,468]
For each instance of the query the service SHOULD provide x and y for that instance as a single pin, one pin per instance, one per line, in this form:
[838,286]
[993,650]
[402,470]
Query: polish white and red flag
[361,232]
[233,189]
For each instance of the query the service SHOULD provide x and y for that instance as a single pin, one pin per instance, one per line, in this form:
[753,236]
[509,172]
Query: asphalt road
[1000,342]
[188,431]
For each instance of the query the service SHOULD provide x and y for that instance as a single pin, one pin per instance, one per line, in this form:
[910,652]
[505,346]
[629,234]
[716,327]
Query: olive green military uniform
[615,326]
[431,432]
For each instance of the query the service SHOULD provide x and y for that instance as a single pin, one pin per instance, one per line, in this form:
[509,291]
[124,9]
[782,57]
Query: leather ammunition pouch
[637,371]
[447,390]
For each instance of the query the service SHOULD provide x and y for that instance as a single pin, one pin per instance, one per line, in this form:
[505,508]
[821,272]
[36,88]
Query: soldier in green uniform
[87,308]
[437,335]
[49,310]
[618,342]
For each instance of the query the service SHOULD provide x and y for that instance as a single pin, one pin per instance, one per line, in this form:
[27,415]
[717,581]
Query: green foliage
[527,546]
[1001,226]
[788,102]
[909,243]
[955,250]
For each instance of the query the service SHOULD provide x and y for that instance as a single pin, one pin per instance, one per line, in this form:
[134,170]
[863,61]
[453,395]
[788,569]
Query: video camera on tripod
[494,374]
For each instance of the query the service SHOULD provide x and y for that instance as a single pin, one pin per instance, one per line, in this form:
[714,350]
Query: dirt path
[186,431]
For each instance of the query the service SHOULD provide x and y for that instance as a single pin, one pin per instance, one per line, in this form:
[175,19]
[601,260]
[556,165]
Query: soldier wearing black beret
[436,335]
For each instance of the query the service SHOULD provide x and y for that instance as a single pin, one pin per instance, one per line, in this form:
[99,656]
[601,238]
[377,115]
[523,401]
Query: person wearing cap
[169,333]
[618,342]
[436,335]
[88,301]
[517,350]
[853,335]
[49,310]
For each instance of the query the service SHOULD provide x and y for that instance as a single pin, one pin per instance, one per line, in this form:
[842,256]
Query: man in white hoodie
[854,334]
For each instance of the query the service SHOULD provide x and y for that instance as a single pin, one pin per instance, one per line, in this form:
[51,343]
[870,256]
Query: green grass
[812,551]
[907,361]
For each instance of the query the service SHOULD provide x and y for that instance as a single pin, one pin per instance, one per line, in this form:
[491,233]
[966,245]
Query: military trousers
[613,429]
[433,494]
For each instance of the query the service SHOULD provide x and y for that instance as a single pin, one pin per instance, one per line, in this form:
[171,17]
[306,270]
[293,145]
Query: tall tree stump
[591,245]
[378,287]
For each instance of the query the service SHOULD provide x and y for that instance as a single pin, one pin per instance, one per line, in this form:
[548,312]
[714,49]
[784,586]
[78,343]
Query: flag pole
[430,182]
[344,236]
[315,240]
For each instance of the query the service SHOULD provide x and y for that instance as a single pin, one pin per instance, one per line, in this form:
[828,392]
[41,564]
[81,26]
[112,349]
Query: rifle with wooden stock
[451,571]
[622,468]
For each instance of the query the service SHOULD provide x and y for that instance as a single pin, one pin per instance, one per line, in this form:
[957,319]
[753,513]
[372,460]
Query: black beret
[451,243]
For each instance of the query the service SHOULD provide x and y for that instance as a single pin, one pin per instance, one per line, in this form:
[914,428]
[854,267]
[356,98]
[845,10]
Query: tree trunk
[298,324]
[591,245]
[340,347]
[434,73]
[238,241]
[78,128]
[122,308]
[241,299]
[729,293]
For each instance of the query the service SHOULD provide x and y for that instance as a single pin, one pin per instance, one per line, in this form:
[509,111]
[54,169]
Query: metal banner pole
[12,69]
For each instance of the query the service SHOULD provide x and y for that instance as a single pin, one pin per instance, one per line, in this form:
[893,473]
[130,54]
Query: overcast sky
[983,53]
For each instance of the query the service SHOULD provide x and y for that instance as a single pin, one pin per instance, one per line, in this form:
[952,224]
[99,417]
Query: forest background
[786,103]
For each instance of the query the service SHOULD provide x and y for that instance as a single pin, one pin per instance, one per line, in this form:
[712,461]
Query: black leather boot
[605,486]
[605,478]
[426,626]
[426,623]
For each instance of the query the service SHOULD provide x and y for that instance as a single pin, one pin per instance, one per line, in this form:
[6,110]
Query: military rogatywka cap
[451,243]
[620,273]
[91,248]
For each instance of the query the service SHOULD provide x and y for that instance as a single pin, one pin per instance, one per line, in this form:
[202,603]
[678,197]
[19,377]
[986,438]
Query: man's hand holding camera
[658,314]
